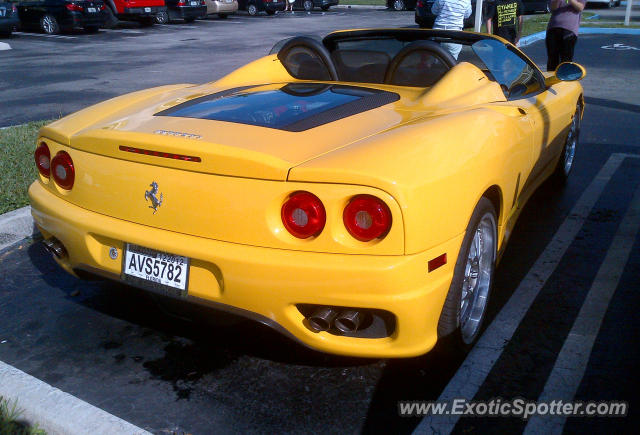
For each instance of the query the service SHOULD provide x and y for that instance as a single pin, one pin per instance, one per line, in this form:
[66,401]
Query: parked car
[187,10]
[221,7]
[354,193]
[605,3]
[425,19]
[142,11]
[253,7]
[533,6]
[308,5]
[54,16]
[8,18]
[401,5]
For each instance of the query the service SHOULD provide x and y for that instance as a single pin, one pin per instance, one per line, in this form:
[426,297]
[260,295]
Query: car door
[523,86]
[27,13]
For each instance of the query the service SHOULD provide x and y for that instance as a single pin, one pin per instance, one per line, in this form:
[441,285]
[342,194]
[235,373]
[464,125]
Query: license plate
[92,10]
[194,3]
[147,9]
[158,269]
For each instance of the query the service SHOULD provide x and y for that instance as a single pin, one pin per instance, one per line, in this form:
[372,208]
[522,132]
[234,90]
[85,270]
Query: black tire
[91,29]
[112,20]
[147,21]
[399,5]
[49,25]
[252,9]
[566,161]
[454,334]
[6,34]
[223,16]
[162,17]
[325,7]
[307,5]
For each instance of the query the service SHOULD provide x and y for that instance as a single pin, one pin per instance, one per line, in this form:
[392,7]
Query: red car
[143,11]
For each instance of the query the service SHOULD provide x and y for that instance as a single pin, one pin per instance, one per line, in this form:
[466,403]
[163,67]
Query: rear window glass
[294,107]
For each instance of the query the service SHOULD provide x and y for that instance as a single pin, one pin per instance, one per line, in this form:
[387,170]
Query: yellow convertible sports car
[354,193]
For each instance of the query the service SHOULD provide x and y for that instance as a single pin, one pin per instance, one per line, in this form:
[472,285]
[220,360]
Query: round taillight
[43,159]
[366,218]
[63,171]
[303,215]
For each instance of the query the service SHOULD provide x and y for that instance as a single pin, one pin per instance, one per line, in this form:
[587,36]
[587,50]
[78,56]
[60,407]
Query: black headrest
[307,59]
[433,48]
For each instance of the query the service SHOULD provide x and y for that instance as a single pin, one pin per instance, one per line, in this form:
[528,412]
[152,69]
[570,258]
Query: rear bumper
[267,284]
[76,20]
[8,24]
[187,12]
[220,7]
[274,6]
[135,13]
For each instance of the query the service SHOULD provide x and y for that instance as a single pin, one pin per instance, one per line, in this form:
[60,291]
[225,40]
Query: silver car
[221,7]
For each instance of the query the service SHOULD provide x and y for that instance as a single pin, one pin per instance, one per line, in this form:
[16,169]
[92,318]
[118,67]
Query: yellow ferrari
[354,193]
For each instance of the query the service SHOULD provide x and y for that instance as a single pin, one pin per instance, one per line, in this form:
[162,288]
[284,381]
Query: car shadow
[424,378]
[206,327]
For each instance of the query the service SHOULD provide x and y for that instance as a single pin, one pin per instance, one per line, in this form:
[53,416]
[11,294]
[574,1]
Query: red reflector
[43,159]
[366,218]
[160,154]
[63,170]
[437,262]
[303,215]
[74,7]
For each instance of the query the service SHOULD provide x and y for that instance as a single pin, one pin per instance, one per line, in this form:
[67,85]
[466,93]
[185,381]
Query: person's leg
[568,44]
[553,41]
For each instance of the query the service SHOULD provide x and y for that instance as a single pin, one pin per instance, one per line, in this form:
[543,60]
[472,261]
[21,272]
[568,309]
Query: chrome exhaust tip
[349,321]
[55,247]
[322,319]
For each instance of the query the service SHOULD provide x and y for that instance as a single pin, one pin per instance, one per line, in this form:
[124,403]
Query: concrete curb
[528,40]
[55,411]
[15,226]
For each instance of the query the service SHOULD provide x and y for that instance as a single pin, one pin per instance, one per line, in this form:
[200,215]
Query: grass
[10,423]
[17,168]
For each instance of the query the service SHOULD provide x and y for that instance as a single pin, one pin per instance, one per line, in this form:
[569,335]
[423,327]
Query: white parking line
[227,21]
[129,31]
[178,26]
[44,35]
[56,411]
[571,364]
[478,364]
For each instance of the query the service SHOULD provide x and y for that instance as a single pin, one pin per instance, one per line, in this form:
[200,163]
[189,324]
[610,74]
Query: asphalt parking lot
[171,368]
[44,77]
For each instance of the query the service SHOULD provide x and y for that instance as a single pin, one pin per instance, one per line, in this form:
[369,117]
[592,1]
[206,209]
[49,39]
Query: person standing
[289,5]
[450,15]
[505,18]
[562,31]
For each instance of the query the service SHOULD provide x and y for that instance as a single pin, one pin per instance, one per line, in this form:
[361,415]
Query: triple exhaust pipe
[347,321]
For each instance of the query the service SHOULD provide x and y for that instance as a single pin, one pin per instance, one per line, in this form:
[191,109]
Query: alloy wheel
[478,274]
[572,141]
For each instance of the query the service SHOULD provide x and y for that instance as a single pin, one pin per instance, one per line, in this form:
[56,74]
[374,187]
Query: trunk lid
[257,134]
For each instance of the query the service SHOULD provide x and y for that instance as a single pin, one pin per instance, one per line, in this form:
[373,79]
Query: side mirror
[569,72]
